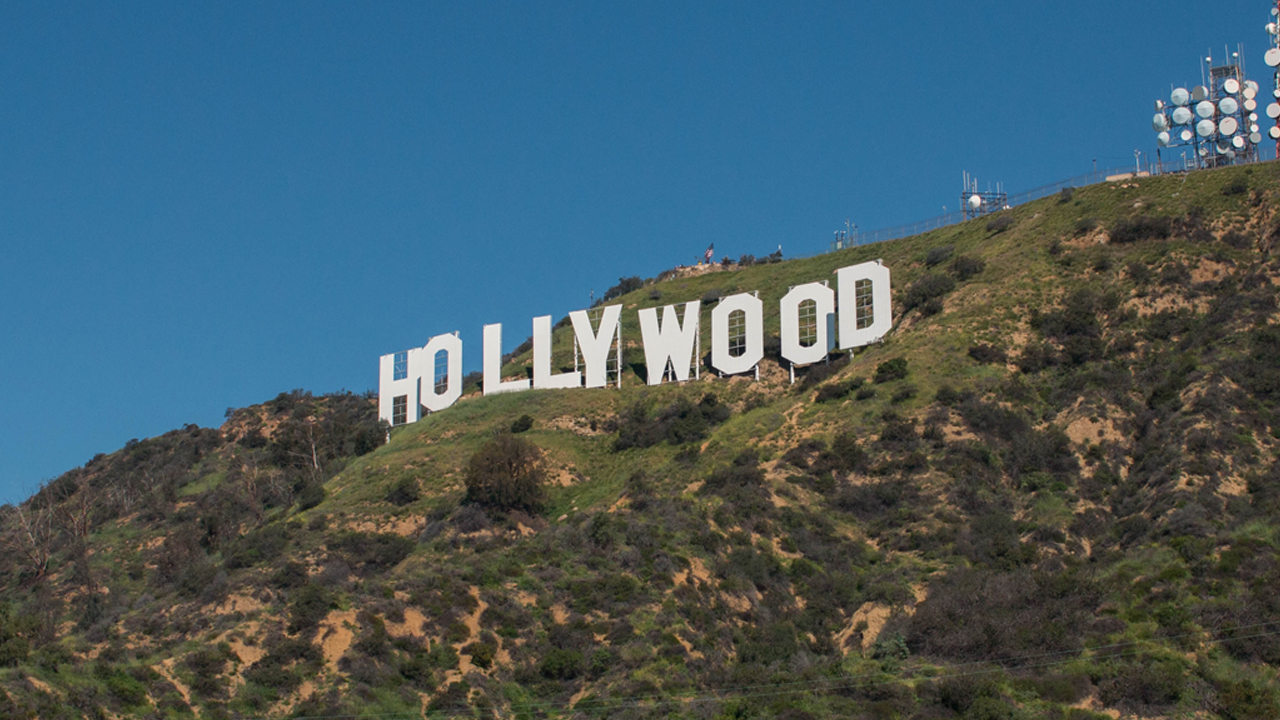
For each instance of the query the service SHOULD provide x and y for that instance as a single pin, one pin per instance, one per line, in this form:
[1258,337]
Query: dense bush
[975,615]
[15,631]
[938,255]
[1237,186]
[371,552]
[521,424]
[678,423]
[966,266]
[507,473]
[624,286]
[988,354]
[1142,227]
[308,606]
[255,546]
[1000,224]
[889,370]
[926,292]
[405,491]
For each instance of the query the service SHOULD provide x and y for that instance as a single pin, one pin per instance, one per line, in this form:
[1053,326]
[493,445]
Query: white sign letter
[542,377]
[595,345]
[789,308]
[752,350]
[451,346]
[866,314]
[493,364]
[399,382]
[669,342]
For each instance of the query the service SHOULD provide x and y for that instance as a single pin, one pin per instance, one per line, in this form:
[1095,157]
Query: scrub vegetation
[1051,492]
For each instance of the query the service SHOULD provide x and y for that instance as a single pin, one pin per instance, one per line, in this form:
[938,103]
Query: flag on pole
[710,253]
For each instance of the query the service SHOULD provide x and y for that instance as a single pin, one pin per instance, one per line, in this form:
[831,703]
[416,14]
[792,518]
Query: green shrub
[678,423]
[561,664]
[1143,227]
[927,288]
[403,492]
[309,606]
[311,495]
[889,370]
[521,424]
[1237,186]
[965,267]
[481,654]
[1000,224]
[126,688]
[507,473]
[371,552]
[255,546]
[938,255]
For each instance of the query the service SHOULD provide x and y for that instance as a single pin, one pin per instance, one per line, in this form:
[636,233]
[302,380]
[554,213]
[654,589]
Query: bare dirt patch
[337,631]
[408,526]
[874,615]
[559,613]
[574,424]
[238,603]
[414,621]
[697,571]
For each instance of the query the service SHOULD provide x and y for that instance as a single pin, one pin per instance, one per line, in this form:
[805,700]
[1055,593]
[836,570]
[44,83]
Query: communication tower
[1272,58]
[1217,120]
[977,203]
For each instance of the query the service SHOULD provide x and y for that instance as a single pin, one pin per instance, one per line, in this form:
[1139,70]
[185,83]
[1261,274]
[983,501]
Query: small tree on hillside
[507,473]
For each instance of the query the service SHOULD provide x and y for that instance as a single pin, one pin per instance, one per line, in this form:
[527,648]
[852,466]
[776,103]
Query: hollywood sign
[671,343]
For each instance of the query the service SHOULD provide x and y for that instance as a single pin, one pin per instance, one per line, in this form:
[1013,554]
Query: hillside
[1050,493]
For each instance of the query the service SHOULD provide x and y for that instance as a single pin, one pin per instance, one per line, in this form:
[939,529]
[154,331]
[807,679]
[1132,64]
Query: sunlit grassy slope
[1065,508]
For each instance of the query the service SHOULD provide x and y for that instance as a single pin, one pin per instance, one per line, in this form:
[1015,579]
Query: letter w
[671,342]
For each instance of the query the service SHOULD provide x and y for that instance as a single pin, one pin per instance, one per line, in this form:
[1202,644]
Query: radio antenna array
[1218,120]
[977,203]
[1272,59]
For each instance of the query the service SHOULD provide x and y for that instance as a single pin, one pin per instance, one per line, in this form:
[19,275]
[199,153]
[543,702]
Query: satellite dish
[1181,116]
[1228,126]
[1253,117]
[1204,151]
[1205,109]
[1159,105]
[1250,104]
[1255,137]
[1273,111]
[1274,132]
[1272,58]
[1162,139]
[1199,93]
[1251,85]
[1206,128]
[1231,154]
[1180,96]
[975,201]
[1231,86]
[1253,128]
[1223,148]
[1237,142]
[1250,93]
[1228,106]
[1186,136]
[1159,122]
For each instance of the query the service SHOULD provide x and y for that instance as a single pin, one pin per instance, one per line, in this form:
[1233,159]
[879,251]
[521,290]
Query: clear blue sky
[205,204]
